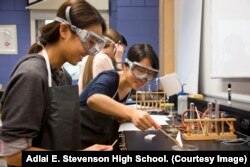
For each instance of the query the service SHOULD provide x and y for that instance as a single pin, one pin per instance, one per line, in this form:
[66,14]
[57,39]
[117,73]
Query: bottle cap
[182,90]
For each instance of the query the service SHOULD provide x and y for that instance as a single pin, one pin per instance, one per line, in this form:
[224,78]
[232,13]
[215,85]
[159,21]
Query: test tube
[217,116]
[222,115]
[191,114]
[209,115]
[209,110]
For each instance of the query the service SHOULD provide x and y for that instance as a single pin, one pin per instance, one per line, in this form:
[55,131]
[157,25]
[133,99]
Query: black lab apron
[61,123]
[98,127]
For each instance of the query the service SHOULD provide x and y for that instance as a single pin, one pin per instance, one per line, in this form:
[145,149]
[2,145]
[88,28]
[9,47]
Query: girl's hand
[143,120]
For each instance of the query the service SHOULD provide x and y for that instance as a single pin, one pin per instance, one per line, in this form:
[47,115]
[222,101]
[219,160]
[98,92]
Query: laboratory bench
[135,141]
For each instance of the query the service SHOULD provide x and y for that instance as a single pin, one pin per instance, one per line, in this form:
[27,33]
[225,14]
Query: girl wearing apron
[102,100]
[40,109]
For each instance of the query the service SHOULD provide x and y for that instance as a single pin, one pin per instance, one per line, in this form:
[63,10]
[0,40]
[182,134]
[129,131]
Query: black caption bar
[146,158]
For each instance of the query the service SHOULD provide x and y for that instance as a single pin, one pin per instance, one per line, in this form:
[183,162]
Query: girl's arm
[107,105]
[16,159]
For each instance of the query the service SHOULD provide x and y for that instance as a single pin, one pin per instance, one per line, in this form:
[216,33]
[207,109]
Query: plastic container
[182,101]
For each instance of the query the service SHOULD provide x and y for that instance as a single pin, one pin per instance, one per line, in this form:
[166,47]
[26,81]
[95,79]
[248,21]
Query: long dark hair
[82,15]
[138,52]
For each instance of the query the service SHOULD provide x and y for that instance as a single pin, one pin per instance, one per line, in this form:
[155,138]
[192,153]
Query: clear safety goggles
[92,42]
[141,72]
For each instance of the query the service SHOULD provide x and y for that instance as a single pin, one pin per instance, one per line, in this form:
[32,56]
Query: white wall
[230,38]
[218,87]
[187,23]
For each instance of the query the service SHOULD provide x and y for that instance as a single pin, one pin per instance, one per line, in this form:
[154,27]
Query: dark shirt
[97,127]
[25,98]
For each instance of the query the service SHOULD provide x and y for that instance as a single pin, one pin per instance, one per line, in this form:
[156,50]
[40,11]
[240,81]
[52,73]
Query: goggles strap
[128,62]
[68,14]
[61,20]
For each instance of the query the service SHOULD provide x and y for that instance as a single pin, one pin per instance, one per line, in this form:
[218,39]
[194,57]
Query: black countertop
[135,141]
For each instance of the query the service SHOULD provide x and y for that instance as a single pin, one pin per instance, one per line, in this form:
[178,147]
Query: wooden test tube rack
[209,129]
[150,100]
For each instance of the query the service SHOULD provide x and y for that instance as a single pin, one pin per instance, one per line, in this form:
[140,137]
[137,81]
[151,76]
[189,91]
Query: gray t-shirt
[25,98]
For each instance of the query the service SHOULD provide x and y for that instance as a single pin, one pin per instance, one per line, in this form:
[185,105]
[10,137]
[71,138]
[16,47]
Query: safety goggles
[141,72]
[92,42]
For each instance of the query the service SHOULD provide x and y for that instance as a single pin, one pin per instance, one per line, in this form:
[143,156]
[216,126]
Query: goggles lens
[141,72]
[92,42]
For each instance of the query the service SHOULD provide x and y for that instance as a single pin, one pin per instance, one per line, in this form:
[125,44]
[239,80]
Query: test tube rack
[150,100]
[209,129]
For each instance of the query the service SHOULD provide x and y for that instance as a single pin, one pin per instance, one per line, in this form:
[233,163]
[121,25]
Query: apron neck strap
[118,89]
[46,57]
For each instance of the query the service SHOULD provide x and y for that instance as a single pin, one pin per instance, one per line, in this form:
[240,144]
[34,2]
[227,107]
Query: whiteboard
[230,38]
[188,17]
